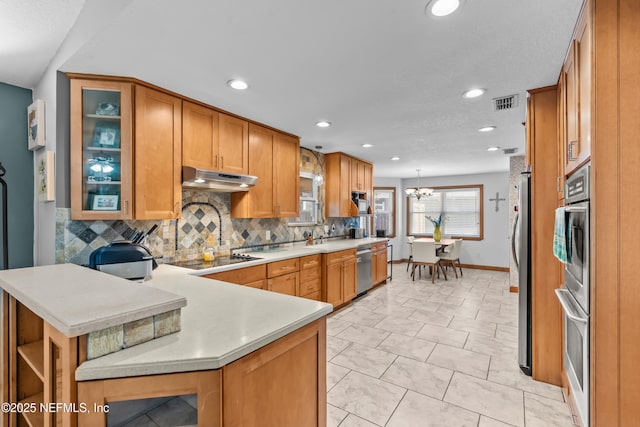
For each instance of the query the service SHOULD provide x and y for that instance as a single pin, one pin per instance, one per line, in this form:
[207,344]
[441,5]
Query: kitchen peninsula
[235,346]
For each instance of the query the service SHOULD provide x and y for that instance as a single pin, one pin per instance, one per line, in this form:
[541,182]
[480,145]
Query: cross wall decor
[497,200]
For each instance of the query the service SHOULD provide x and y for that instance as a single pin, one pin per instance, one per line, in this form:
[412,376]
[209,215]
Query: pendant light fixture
[418,192]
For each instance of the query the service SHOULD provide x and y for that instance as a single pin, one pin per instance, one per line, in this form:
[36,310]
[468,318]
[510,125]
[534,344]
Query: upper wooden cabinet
[286,175]
[345,174]
[212,140]
[275,159]
[575,109]
[123,168]
[233,144]
[158,135]
[101,150]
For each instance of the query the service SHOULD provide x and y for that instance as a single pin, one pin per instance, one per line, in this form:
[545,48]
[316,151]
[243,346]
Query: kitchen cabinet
[286,284]
[101,150]
[575,79]
[157,160]
[233,146]
[254,276]
[340,276]
[337,186]
[345,174]
[213,140]
[240,393]
[368,181]
[282,276]
[40,366]
[275,159]
[546,270]
[311,277]
[379,262]
[123,168]
[357,175]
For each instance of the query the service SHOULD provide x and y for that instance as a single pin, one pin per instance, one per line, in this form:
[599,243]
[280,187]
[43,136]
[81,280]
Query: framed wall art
[105,202]
[45,179]
[35,125]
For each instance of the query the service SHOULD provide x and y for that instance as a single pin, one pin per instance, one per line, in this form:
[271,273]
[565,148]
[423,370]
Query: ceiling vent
[509,150]
[505,103]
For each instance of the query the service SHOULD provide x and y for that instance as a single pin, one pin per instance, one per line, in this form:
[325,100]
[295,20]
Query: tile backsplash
[205,222]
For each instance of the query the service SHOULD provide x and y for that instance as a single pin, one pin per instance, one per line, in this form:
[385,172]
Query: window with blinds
[461,205]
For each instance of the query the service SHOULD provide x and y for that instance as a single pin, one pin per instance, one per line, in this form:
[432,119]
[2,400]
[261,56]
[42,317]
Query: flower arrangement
[437,223]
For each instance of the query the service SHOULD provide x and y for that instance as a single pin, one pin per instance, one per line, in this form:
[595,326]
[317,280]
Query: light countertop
[221,323]
[295,251]
[77,300]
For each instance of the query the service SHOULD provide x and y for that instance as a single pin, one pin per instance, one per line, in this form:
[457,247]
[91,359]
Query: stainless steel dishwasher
[365,280]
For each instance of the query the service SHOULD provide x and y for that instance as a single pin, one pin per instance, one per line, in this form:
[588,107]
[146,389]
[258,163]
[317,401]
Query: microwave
[363,206]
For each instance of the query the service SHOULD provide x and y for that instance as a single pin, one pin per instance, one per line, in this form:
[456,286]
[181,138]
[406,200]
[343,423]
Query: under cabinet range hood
[222,182]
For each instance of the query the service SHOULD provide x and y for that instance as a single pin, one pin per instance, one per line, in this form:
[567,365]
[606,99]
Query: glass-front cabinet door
[101,150]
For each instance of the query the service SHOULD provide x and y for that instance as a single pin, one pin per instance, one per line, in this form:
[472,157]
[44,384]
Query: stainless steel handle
[568,305]
[575,209]
[513,241]
[570,150]
[126,206]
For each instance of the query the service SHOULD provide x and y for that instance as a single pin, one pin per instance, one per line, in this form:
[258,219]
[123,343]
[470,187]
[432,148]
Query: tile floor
[410,353]
[413,354]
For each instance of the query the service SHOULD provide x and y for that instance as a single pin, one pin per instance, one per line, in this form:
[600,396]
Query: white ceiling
[381,71]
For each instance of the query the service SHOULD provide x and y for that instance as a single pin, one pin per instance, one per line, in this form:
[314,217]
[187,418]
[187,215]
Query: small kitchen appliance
[123,259]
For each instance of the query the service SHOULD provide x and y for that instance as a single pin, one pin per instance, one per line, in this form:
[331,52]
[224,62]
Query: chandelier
[418,192]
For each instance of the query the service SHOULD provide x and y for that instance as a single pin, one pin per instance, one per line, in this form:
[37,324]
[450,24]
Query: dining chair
[452,256]
[410,240]
[424,253]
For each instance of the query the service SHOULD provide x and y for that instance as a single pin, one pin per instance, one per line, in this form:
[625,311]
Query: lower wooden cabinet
[311,277]
[340,277]
[286,284]
[379,262]
[255,276]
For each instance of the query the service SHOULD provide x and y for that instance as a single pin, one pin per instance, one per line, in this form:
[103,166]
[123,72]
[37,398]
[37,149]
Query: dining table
[442,242]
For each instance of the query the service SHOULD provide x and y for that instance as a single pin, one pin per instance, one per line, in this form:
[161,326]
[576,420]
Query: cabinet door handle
[126,206]
[216,161]
[571,151]
[221,162]
[558,184]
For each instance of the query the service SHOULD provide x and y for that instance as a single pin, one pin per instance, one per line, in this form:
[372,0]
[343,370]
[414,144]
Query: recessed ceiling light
[493,148]
[367,145]
[486,129]
[395,158]
[323,124]
[473,93]
[441,8]
[237,84]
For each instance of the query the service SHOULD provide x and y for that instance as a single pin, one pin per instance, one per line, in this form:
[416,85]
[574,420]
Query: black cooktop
[219,261]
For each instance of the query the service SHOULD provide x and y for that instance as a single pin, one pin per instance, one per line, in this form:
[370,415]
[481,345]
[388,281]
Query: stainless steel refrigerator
[521,251]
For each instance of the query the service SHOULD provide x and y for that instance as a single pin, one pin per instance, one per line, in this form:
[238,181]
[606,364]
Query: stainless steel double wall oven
[574,297]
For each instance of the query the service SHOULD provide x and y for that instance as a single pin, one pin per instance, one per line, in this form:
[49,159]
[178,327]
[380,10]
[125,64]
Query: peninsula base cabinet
[257,390]
[39,364]
[38,368]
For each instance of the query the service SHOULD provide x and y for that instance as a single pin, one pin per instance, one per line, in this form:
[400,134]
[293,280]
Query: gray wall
[493,250]
[18,161]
